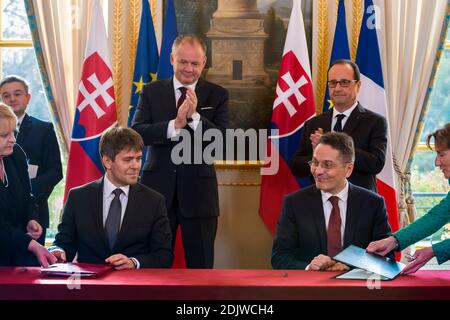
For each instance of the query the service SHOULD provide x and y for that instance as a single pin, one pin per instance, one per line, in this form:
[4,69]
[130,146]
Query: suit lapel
[327,118]
[319,217]
[96,202]
[201,91]
[352,215]
[25,129]
[130,211]
[354,119]
[168,99]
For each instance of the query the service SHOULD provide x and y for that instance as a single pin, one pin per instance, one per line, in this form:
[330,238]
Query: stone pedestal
[237,45]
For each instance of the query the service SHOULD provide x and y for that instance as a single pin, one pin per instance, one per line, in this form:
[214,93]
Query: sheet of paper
[32,170]
[77,269]
[360,274]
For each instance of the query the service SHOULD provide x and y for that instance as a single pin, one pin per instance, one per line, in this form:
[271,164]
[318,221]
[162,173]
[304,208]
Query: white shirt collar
[342,195]
[109,187]
[20,120]
[177,84]
[346,112]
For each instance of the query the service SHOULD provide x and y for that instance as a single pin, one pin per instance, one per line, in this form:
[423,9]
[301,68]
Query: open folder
[372,265]
[76,269]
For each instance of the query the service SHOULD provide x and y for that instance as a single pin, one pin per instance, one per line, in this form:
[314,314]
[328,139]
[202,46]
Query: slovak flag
[293,105]
[95,108]
[373,97]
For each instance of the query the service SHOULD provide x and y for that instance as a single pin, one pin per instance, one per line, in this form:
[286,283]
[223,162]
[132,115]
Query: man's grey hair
[192,39]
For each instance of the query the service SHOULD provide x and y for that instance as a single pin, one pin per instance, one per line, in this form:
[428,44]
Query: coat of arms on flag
[293,105]
[95,108]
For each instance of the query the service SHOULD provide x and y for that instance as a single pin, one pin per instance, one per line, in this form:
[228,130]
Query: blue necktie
[112,224]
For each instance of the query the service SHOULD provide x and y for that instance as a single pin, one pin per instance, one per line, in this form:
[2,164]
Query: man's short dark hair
[356,73]
[14,78]
[341,142]
[116,139]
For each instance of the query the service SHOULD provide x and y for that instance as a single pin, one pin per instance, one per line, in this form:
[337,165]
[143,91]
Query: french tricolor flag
[373,97]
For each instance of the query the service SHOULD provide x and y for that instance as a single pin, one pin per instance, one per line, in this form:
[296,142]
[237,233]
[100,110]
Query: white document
[32,170]
[360,274]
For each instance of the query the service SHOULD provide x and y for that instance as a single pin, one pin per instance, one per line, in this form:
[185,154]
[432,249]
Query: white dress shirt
[346,113]
[171,131]
[108,197]
[19,122]
[327,207]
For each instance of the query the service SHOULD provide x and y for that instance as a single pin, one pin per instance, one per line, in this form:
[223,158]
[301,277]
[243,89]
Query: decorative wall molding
[117,56]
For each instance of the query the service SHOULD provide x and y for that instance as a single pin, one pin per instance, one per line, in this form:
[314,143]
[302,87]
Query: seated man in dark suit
[319,221]
[116,219]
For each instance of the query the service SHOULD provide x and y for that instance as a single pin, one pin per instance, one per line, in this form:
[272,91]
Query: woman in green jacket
[437,217]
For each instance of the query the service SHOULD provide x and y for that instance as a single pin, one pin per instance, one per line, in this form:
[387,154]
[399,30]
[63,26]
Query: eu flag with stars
[170,32]
[340,48]
[146,63]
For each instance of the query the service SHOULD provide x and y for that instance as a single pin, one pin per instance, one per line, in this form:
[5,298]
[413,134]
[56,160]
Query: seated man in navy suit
[116,219]
[319,221]
[38,139]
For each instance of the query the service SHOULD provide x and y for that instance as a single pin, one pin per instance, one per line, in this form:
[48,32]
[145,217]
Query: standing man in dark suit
[319,221]
[368,129]
[115,219]
[184,103]
[38,140]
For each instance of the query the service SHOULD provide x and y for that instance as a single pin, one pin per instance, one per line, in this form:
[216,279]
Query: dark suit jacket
[38,139]
[17,207]
[144,233]
[301,231]
[369,132]
[195,184]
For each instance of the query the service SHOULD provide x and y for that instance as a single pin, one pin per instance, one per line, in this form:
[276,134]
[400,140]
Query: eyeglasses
[344,83]
[326,165]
